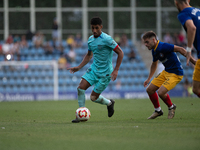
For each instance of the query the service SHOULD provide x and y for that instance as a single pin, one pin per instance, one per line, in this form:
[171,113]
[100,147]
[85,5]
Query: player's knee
[162,94]
[93,98]
[149,91]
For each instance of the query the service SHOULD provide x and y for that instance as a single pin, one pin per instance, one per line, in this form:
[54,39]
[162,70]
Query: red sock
[168,101]
[154,100]
[198,95]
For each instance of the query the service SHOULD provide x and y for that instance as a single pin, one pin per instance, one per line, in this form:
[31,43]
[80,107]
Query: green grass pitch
[46,125]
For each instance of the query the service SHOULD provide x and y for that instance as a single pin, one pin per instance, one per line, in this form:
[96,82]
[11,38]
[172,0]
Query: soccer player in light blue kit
[189,17]
[101,47]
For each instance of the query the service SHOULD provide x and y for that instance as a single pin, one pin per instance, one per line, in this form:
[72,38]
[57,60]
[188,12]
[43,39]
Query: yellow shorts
[168,80]
[196,73]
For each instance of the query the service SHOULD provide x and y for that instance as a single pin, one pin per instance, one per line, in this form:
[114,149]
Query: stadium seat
[40,78]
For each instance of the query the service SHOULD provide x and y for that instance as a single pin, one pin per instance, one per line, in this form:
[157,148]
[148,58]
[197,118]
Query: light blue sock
[102,100]
[81,97]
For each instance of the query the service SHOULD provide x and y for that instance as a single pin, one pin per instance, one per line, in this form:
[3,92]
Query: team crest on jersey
[99,46]
[161,55]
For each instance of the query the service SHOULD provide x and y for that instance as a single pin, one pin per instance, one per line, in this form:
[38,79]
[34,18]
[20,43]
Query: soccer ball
[83,114]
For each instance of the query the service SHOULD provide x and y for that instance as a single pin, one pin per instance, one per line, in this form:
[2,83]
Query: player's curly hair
[149,34]
[96,21]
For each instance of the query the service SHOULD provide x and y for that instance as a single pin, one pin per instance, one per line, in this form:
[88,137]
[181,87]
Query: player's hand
[146,82]
[73,69]
[114,75]
[188,55]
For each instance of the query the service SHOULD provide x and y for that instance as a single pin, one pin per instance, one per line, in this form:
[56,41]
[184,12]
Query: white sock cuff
[158,109]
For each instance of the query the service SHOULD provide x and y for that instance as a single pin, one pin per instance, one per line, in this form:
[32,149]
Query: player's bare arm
[118,63]
[86,59]
[191,31]
[183,52]
[152,71]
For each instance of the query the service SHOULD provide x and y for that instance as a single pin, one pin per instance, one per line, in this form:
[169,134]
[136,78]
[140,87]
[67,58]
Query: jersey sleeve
[183,18]
[89,49]
[111,43]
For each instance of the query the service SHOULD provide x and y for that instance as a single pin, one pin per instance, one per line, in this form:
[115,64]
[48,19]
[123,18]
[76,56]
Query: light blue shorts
[100,83]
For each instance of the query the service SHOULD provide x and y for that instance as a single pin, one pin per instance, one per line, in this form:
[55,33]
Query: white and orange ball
[83,114]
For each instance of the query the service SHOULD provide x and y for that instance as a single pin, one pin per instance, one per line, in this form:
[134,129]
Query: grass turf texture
[47,125]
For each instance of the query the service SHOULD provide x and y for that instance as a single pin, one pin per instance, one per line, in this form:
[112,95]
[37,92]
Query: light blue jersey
[102,48]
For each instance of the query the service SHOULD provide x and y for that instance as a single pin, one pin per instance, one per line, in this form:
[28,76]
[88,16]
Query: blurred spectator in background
[124,41]
[71,55]
[48,48]
[175,39]
[9,40]
[38,39]
[182,39]
[23,43]
[29,35]
[70,41]
[78,40]
[186,86]
[118,85]
[6,48]
[16,38]
[15,47]
[190,91]
[60,48]
[131,54]
[167,38]
[55,34]
[1,51]
[62,62]
[117,39]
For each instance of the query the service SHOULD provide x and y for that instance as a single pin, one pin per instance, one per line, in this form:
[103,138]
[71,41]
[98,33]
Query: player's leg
[196,79]
[86,81]
[171,81]
[151,91]
[162,92]
[196,88]
[83,86]
[153,96]
[96,96]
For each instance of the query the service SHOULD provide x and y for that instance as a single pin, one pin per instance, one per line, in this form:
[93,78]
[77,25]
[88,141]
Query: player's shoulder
[105,36]
[186,11]
[163,45]
[91,38]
